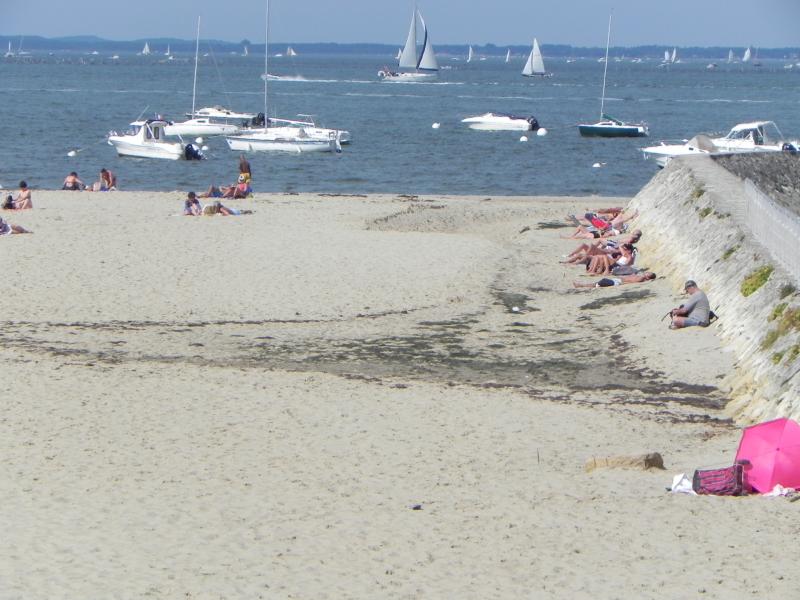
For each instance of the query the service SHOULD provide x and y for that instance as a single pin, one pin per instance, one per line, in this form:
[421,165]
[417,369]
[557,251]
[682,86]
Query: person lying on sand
[603,264]
[601,247]
[7,228]
[613,281]
[217,208]
[597,227]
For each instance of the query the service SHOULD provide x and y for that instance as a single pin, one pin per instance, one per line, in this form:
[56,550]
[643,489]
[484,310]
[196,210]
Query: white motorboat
[423,63]
[310,128]
[756,136]
[492,121]
[146,139]
[199,125]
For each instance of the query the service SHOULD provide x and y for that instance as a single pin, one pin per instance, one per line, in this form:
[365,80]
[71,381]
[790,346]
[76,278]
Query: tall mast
[605,68]
[266,62]
[196,54]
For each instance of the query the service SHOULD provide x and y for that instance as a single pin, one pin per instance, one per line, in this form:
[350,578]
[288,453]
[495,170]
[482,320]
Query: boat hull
[165,151]
[201,129]
[612,131]
[405,77]
[260,143]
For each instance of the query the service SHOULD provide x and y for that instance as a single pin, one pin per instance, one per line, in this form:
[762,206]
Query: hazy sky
[764,23]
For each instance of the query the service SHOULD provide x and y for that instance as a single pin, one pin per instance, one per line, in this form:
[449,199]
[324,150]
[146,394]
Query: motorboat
[493,121]
[146,139]
[609,127]
[755,136]
[423,63]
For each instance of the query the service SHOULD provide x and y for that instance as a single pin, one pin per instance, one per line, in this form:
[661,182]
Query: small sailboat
[399,54]
[470,54]
[168,53]
[747,55]
[666,57]
[146,50]
[674,57]
[423,63]
[290,51]
[609,126]
[246,51]
[730,56]
[534,66]
[10,52]
[508,55]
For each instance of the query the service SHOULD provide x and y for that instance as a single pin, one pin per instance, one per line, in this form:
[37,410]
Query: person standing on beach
[695,312]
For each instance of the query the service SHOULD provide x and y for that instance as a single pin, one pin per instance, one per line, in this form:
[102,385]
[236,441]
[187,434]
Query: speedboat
[755,136]
[492,121]
[146,140]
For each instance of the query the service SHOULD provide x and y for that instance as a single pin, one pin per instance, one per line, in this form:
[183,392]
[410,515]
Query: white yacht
[423,63]
[146,139]
[534,66]
[493,121]
[756,136]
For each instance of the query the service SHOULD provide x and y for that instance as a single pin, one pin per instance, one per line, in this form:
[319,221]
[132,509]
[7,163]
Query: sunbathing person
[73,183]
[217,208]
[602,246]
[7,228]
[603,264]
[213,192]
[613,281]
[597,227]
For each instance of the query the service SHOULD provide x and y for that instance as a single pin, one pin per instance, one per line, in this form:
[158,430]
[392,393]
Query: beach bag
[720,482]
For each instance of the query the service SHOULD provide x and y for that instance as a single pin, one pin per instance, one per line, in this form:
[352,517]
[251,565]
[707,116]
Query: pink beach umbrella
[773,450]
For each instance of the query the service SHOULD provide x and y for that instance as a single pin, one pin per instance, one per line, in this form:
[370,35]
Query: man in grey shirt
[694,312]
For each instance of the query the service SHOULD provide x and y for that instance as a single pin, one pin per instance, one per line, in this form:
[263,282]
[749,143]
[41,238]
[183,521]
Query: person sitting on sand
[108,181]
[695,312]
[240,190]
[601,247]
[73,183]
[612,281]
[7,228]
[212,192]
[23,200]
[244,169]
[603,264]
[191,207]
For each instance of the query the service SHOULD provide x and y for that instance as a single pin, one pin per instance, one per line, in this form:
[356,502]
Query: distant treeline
[92,43]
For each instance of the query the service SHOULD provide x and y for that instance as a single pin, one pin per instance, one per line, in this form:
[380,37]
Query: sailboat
[146,50]
[609,126]
[198,125]
[508,55]
[674,58]
[470,54]
[534,66]
[290,51]
[424,63]
[730,56]
[246,51]
[399,54]
[288,138]
[10,52]
[168,53]
[666,57]
[747,55]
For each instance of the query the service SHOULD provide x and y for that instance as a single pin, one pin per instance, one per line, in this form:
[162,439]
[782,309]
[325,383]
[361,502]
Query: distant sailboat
[609,126]
[290,51]
[10,53]
[730,56]
[508,55]
[747,55]
[666,56]
[470,55]
[423,62]
[246,51]
[399,54]
[168,53]
[146,50]
[674,58]
[535,64]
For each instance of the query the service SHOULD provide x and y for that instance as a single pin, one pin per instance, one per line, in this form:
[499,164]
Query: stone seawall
[693,218]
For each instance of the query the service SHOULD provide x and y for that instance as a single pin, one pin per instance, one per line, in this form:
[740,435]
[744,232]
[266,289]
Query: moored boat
[146,139]
[493,121]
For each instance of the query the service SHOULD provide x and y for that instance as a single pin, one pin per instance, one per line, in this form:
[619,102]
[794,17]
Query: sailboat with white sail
[146,50]
[674,56]
[609,126]
[470,55]
[288,138]
[10,52]
[534,66]
[748,54]
[199,125]
[666,57]
[291,51]
[423,62]
[731,58]
[508,55]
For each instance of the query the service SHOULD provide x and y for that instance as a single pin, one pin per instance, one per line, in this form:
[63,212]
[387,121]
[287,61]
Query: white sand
[248,407]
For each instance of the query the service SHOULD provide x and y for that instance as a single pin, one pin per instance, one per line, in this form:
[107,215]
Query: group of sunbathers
[615,258]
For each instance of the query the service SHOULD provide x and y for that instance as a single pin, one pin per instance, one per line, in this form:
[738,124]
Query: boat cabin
[150,130]
[759,133]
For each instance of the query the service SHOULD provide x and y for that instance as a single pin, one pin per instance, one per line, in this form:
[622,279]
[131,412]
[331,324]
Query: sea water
[70,102]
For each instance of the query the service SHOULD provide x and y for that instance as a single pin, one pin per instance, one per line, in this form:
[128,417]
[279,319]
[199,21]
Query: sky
[737,23]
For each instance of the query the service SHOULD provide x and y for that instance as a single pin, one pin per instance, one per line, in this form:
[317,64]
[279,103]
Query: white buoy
[204,148]
[541,132]
[72,153]
[436,125]
[199,141]
[523,138]
[515,309]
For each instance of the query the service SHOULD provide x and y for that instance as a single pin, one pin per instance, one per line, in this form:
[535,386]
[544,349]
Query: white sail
[535,63]
[674,56]
[747,53]
[470,54]
[399,54]
[167,53]
[427,60]
[666,56]
[246,51]
[508,55]
[290,51]
[146,49]
[730,56]
[408,57]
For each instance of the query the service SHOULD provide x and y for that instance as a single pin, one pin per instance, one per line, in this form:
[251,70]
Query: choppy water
[54,106]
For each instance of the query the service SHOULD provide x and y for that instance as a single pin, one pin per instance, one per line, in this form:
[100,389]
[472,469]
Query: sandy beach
[355,397]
